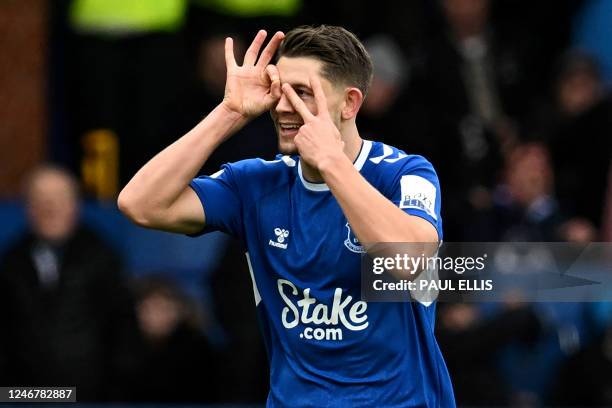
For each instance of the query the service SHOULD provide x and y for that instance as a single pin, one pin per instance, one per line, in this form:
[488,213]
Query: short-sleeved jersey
[328,348]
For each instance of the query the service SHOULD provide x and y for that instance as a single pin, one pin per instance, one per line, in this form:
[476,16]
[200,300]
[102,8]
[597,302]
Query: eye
[303,93]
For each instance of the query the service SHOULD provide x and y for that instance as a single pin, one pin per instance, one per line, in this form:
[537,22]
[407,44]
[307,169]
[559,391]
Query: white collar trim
[366,147]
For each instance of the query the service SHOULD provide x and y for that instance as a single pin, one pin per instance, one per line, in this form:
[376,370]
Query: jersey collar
[364,152]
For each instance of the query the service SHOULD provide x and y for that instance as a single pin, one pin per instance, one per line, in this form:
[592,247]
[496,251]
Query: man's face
[577,92]
[530,175]
[52,206]
[158,316]
[297,72]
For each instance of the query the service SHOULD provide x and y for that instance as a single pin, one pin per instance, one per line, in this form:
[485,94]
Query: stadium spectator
[67,318]
[476,83]
[178,364]
[578,133]
[522,208]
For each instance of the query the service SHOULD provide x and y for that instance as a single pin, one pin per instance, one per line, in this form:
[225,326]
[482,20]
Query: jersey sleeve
[416,191]
[221,201]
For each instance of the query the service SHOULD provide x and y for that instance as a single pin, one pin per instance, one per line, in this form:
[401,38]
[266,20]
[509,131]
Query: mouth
[288,129]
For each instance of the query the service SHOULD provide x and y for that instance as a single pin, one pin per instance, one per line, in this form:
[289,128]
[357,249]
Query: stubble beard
[287,149]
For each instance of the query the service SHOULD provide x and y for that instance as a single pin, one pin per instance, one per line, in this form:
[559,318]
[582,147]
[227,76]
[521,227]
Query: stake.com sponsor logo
[308,311]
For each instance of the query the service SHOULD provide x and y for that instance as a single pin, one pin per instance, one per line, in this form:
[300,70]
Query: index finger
[297,103]
[319,95]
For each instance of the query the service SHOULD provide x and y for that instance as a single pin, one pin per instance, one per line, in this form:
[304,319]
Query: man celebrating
[303,218]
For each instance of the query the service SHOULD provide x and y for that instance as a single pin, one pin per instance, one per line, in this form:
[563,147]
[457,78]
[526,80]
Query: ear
[353,98]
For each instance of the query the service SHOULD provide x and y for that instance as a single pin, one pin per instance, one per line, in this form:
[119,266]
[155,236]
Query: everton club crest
[351,241]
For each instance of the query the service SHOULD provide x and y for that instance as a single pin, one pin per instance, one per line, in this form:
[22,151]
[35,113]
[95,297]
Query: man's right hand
[159,196]
[254,87]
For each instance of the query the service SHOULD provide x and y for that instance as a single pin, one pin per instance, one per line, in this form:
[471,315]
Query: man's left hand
[318,140]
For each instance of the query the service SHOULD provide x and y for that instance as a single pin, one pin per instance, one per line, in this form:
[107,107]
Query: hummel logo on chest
[281,237]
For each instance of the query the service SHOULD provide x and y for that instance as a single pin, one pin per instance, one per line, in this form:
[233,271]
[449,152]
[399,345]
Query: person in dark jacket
[66,316]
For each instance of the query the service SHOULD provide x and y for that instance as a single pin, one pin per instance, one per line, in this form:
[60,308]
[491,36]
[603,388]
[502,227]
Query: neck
[352,146]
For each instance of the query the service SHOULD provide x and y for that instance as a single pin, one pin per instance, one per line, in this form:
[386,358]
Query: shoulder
[259,169]
[409,181]
[387,157]
[259,166]
[258,175]
[387,164]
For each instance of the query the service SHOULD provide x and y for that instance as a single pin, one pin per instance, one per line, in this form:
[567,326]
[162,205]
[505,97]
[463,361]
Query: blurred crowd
[509,99]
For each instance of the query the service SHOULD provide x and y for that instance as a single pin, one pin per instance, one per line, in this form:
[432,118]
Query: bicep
[186,215]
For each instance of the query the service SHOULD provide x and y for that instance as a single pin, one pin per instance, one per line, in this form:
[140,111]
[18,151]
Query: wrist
[237,119]
[333,164]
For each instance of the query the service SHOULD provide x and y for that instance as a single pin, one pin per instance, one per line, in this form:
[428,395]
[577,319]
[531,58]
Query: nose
[283,105]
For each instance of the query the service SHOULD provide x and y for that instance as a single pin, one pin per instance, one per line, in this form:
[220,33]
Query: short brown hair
[344,57]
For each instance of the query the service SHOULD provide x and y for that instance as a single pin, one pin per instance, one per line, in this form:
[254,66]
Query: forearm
[373,218]
[158,184]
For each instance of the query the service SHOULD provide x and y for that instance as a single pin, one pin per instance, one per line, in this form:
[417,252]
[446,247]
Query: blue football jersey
[326,346]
